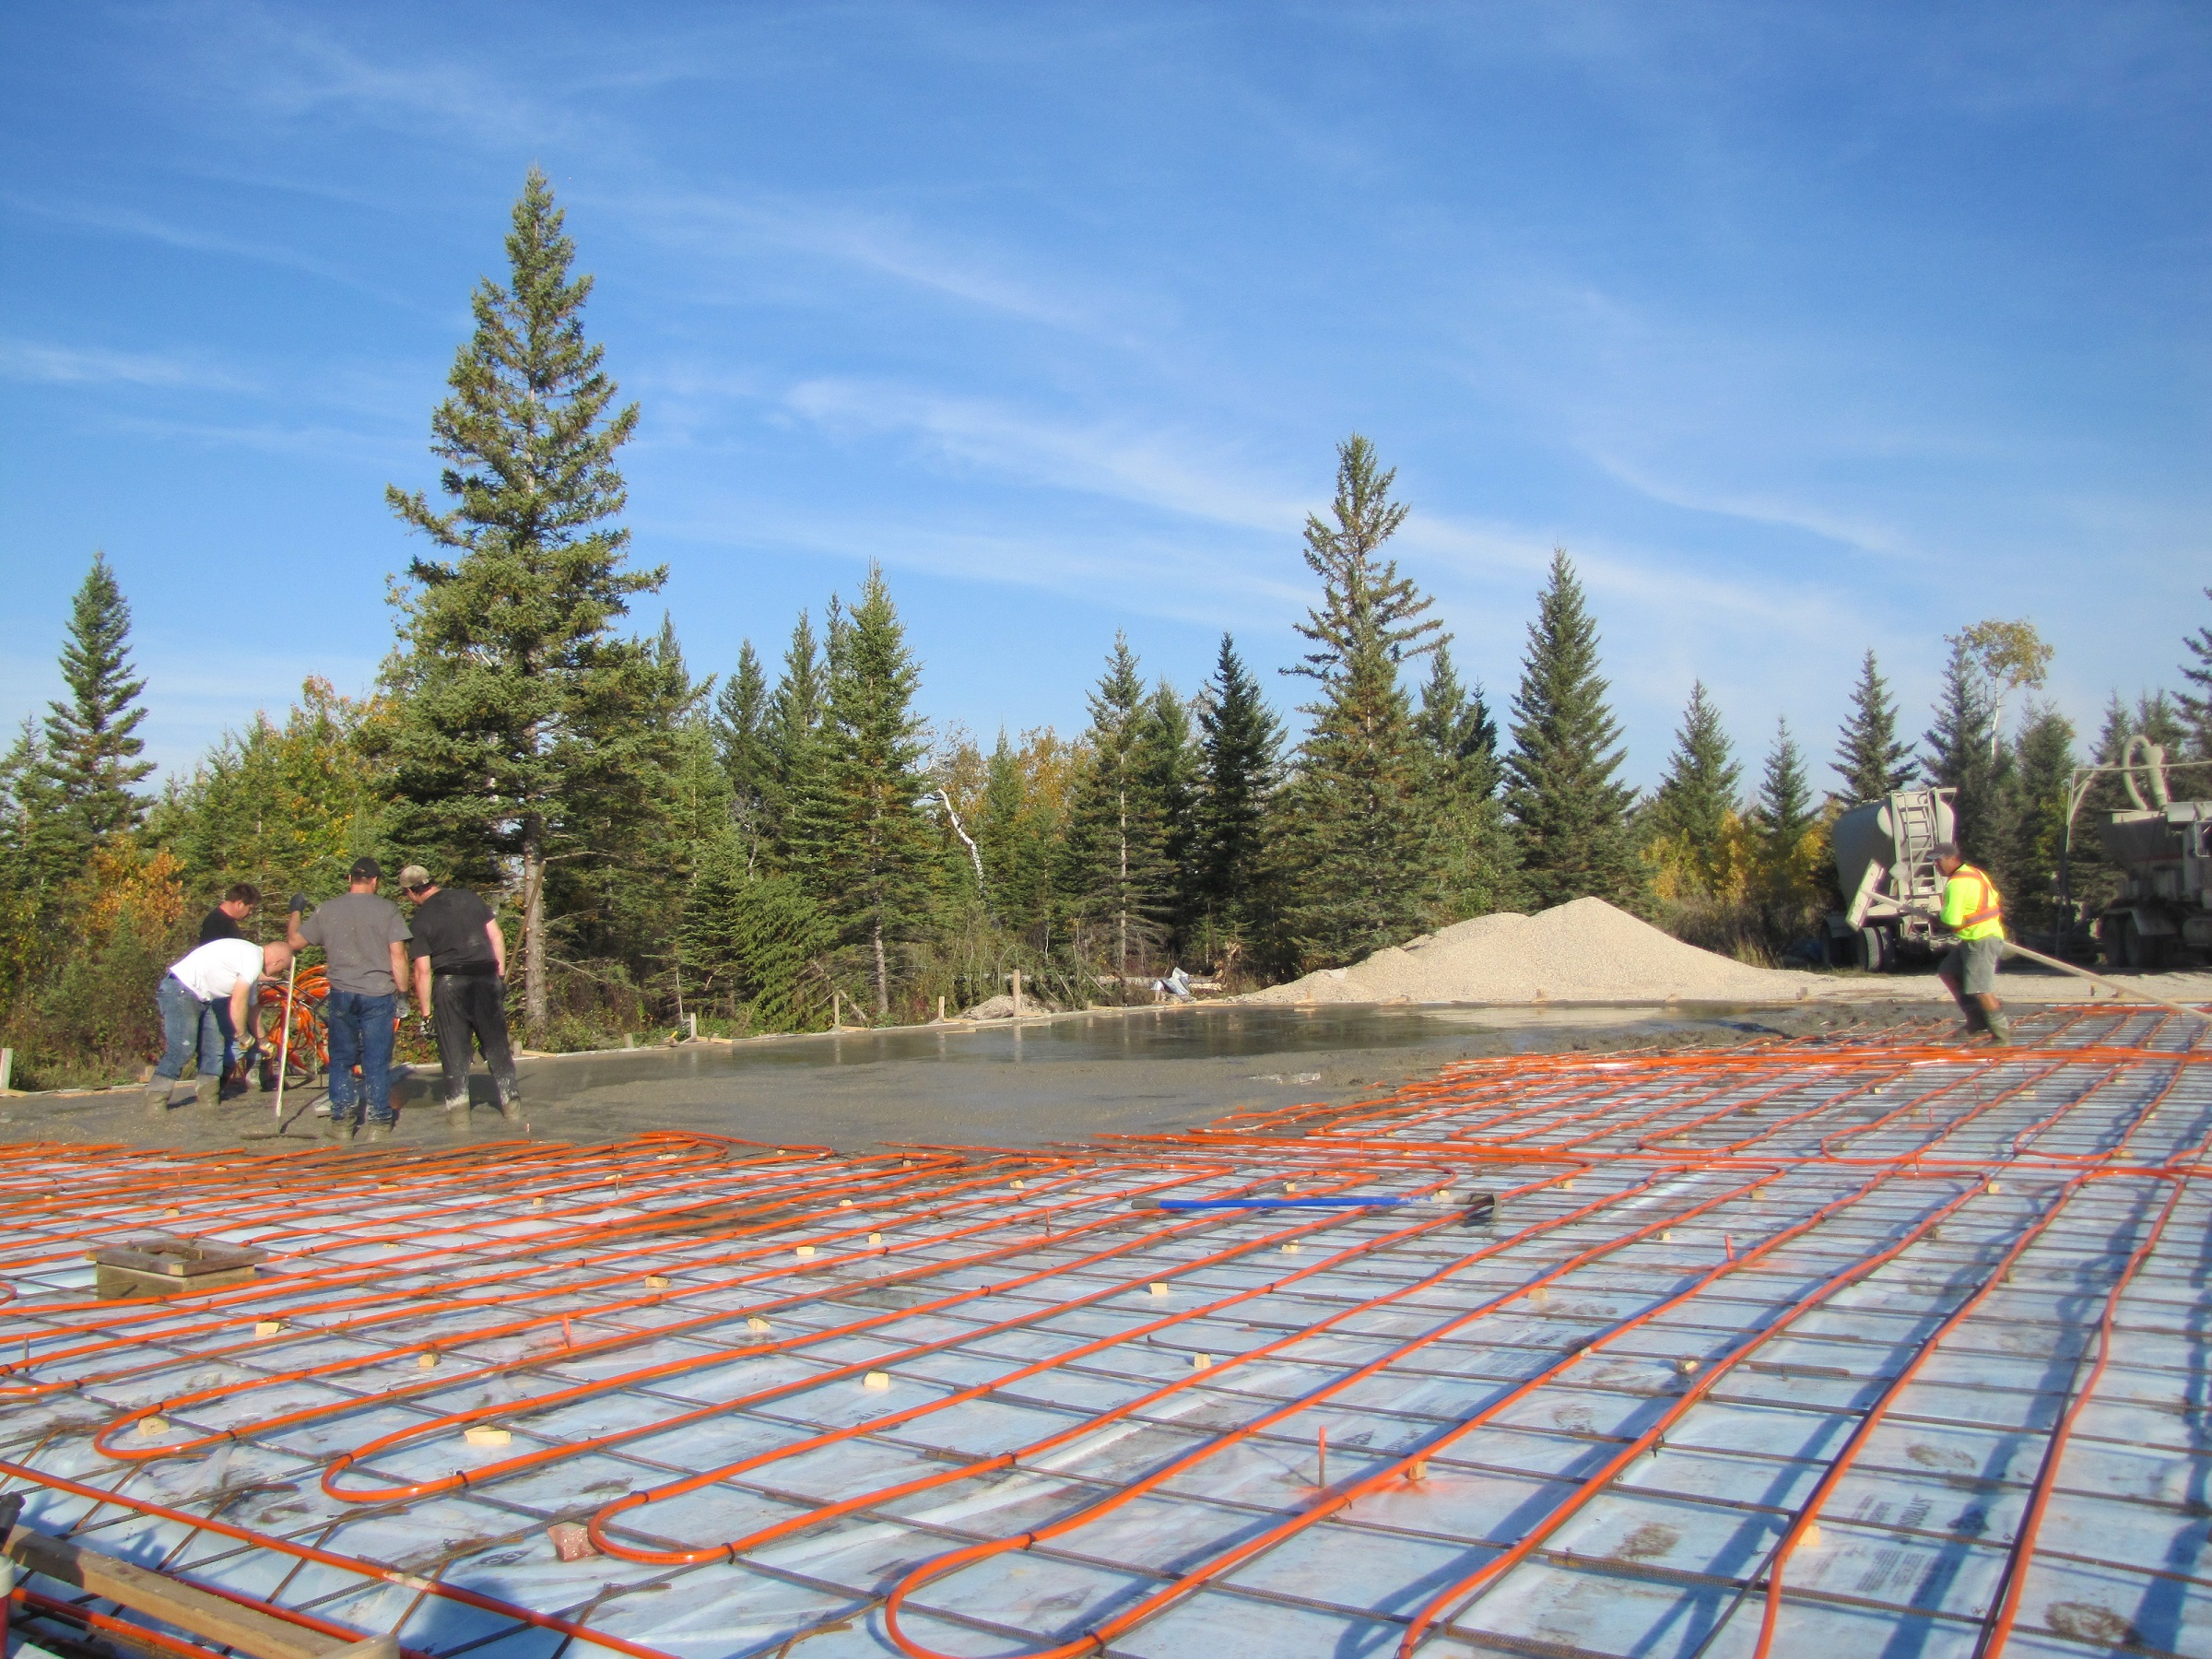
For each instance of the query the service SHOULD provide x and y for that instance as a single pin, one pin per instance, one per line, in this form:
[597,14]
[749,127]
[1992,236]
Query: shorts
[1971,967]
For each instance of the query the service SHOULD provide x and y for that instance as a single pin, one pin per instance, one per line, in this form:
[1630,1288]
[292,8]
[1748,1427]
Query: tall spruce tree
[1241,748]
[1562,777]
[2043,775]
[1961,751]
[795,739]
[1477,869]
[1698,793]
[870,844]
[527,727]
[1870,757]
[1358,863]
[1117,868]
[1783,817]
[1171,764]
[1018,837]
[39,854]
[91,748]
[740,724]
[2196,706]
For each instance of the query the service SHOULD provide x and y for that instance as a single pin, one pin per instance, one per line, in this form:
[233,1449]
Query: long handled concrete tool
[2131,992]
[284,1040]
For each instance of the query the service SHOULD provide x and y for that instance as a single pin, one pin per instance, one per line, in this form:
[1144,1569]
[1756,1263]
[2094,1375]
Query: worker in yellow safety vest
[1975,917]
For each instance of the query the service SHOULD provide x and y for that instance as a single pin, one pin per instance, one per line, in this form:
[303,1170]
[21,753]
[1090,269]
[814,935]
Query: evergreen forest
[784,840]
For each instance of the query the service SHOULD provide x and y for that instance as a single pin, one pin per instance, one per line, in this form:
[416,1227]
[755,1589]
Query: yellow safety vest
[1970,906]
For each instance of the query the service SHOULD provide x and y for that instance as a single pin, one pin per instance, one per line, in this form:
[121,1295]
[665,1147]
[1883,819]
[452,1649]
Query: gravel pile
[1585,951]
[1002,1007]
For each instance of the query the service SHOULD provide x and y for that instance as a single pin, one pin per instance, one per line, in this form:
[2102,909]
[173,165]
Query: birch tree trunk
[883,976]
[535,1011]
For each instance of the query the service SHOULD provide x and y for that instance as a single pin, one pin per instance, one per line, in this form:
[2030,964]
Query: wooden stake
[283,1038]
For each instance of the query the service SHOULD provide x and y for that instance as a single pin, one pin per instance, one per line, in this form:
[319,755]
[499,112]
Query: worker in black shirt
[241,900]
[461,983]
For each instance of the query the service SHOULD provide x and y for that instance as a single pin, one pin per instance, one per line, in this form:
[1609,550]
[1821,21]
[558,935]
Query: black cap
[365,869]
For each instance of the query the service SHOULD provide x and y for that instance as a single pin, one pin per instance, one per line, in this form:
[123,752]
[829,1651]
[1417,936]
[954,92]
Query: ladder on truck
[1913,816]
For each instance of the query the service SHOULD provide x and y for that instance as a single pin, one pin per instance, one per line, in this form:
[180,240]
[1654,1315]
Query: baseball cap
[414,876]
[1944,850]
[365,869]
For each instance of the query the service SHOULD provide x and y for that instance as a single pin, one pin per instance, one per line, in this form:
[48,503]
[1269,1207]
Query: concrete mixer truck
[1886,871]
[2162,848]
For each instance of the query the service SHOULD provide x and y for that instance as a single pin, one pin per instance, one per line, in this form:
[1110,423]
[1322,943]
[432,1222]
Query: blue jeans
[188,1023]
[360,1034]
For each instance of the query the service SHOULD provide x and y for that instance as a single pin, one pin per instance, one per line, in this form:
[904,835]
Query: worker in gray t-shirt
[364,941]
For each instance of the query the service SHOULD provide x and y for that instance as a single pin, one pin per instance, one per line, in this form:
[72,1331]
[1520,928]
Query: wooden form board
[210,1618]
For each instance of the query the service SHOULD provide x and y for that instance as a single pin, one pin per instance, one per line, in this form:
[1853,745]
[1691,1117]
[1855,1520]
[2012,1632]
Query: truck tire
[1874,952]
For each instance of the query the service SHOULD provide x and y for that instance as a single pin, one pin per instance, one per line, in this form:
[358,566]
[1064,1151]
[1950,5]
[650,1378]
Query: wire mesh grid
[1891,1346]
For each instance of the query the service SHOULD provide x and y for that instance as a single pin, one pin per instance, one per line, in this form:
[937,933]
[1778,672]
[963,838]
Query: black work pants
[467,1004]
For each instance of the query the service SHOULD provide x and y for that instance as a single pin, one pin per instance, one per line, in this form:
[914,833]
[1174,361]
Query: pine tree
[1959,755]
[2196,706]
[1117,869]
[1242,747]
[1870,757]
[1783,819]
[1699,793]
[39,854]
[741,729]
[1477,865]
[1020,828]
[1563,787]
[871,871]
[528,726]
[758,941]
[2042,775]
[1169,766]
[795,744]
[91,746]
[1358,862]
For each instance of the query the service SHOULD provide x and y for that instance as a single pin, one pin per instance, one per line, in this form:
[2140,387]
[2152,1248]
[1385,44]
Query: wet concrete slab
[1030,1084]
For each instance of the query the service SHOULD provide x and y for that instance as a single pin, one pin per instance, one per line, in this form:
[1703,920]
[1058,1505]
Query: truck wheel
[1874,952]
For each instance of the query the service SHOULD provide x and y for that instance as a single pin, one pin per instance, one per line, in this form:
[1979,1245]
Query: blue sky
[1803,328]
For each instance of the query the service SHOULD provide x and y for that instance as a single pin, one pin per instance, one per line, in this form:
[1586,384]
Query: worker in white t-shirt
[224,971]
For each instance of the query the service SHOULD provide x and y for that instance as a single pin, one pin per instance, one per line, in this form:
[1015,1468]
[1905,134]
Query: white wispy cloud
[1866,534]
[882,242]
[200,239]
[44,363]
[1177,471]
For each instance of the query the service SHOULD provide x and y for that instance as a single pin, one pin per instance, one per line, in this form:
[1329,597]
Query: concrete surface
[1056,1079]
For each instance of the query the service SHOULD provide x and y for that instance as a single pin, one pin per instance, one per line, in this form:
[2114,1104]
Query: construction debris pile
[1584,951]
[1821,1347]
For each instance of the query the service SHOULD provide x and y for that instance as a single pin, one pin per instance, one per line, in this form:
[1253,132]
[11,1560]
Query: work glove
[299,902]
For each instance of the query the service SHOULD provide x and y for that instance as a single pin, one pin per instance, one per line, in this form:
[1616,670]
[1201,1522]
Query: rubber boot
[207,1092]
[1999,1029]
[156,1095]
[511,1106]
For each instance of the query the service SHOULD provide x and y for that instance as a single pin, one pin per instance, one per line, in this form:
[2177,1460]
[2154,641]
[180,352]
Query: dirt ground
[1050,1080]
